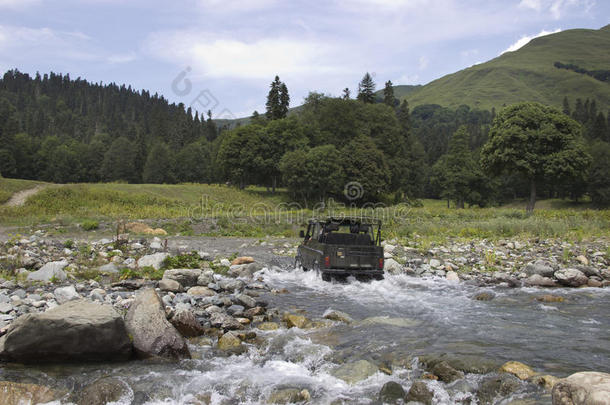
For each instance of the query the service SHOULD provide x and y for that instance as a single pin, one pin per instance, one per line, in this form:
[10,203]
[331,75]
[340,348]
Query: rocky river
[245,326]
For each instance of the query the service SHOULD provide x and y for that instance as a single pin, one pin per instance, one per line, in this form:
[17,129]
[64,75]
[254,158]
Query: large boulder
[186,277]
[419,392]
[103,391]
[391,266]
[76,331]
[52,271]
[497,386]
[536,280]
[571,277]
[155,260]
[585,388]
[187,324]
[392,393]
[152,333]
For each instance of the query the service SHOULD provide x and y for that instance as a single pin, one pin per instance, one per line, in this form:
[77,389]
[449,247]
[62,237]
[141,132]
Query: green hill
[529,74]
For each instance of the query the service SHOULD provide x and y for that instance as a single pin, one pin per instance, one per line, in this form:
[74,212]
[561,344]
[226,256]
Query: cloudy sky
[222,54]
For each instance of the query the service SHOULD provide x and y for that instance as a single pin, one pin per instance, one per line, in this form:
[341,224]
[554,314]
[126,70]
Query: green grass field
[194,209]
[528,74]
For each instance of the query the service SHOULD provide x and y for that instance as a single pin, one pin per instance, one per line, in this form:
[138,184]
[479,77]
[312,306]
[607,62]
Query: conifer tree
[388,94]
[346,94]
[278,100]
[366,89]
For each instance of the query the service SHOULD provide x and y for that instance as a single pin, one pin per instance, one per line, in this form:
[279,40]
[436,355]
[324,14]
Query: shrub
[90,225]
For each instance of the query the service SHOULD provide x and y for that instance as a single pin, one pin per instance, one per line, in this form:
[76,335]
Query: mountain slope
[529,74]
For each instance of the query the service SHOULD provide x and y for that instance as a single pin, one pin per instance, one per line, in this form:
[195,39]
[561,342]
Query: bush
[185,261]
[90,225]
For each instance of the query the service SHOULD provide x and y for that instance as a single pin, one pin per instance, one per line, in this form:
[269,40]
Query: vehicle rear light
[327,261]
[381,263]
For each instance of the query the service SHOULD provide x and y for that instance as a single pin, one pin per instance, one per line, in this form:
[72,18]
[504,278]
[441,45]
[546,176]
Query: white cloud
[223,6]
[121,58]
[423,62]
[232,58]
[17,4]
[525,39]
[557,8]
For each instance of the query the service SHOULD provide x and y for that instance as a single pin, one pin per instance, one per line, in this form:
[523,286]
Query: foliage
[599,174]
[185,261]
[538,142]
[147,272]
[364,163]
[278,100]
[366,89]
[159,165]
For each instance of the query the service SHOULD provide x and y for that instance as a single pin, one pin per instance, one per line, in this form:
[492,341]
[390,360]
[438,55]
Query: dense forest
[62,130]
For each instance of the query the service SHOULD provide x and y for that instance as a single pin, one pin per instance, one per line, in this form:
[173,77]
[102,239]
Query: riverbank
[259,330]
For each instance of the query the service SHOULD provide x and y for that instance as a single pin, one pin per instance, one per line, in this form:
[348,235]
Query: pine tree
[366,89]
[566,106]
[278,100]
[388,94]
[346,94]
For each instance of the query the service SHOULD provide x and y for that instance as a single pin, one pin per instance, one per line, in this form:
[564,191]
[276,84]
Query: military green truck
[342,247]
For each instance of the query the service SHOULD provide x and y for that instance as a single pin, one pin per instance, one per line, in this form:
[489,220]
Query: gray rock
[205,278]
[419,392]
[65,294]
[103,391]
[335,315]
[170,285]
[19,293]
[585,388]
[466,363]
[152,333]
[289,396]
[246,300]
[199,291]
[231,285]
[536,280]
[186,323]
[205,256]
[5,308]
[392,266]
[224,321]
[186,277]
[571,277]
[539,267]
[98,294]
[108,268]
[76,331]
[446,373]
[355,372]
[495,387]
[155,260]
[50,271]
[391,393]
[235,310]
[435,264]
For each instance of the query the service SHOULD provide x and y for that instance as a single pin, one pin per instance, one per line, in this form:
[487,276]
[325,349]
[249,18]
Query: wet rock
[76,331]
[295,321]
[484,296]
[391,393]
[268,326]
[352,373]
[231,285]
[186,277]
[166,284]
[519,370]
[52,271]
[585,388]
[252,312]
[103,391]
[536,280]
[335,315]
[186,323]
[446,373]
[152,333]
[419,392]
[199,291]
[13,393]
[234,310]
[289,396]
[452,276]
[242,260]
[539,267]
[471,364]
[155,260]
[392,266]
[495,387]
[386,320]
[229,341]
[546,381]
[550,298]
[65,294]
[571,277]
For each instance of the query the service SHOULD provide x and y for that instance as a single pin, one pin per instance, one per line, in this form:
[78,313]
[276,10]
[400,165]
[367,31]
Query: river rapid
[395,321]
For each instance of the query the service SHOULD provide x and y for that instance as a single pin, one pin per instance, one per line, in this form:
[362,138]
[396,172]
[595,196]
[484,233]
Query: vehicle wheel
[326,277]
[379,277]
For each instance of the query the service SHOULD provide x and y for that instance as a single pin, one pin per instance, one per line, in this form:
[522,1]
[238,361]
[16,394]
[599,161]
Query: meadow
[219,210]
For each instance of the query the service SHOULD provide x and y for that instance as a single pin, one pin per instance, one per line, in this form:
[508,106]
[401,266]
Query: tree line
[58,129]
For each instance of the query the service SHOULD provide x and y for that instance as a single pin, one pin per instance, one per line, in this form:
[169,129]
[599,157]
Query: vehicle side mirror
[302,233]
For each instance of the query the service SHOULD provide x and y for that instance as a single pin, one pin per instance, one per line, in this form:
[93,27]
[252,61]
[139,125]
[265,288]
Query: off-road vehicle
[342,247]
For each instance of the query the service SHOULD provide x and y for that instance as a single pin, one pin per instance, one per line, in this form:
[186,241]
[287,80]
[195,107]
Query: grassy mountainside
[528,74]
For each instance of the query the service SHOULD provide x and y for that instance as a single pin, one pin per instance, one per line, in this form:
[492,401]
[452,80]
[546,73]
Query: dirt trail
[19,198]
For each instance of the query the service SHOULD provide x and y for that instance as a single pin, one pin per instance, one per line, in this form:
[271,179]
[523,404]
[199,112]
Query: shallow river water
[396,320]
